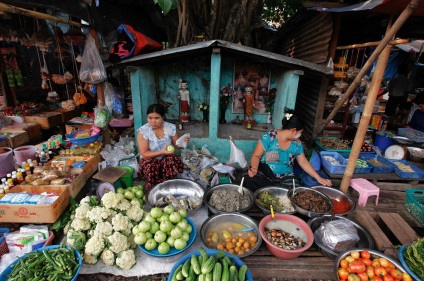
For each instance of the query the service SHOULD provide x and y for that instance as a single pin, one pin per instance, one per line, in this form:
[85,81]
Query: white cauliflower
[108,257]
[126,259]
[66,228]
[112,214]
[79,224]
[135,213]
[85,200]
[123,205]
[135,202]
[89,259]
[82,210]
[98,214]
[103,229]
[94,246]
[90,200]
[118,242]
[76,239]
[122,223]
[111,200]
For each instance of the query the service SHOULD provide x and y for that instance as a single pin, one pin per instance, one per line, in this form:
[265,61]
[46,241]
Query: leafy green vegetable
[64,217]
[414,257]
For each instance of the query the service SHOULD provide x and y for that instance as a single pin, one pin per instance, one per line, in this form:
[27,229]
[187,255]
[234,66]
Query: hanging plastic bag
[113,99]
[102,117]
[52,96]
[236,155]
[181,141]
[92,70]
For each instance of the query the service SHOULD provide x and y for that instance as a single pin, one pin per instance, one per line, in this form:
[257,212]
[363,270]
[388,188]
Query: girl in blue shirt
[274,155]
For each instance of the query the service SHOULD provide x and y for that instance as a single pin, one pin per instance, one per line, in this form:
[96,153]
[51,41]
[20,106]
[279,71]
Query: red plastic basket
[5,250]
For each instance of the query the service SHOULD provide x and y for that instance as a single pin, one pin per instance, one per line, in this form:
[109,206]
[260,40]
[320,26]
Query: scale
[397,152]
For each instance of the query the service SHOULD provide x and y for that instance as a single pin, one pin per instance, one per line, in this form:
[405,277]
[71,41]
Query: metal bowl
[412,154]
[374,255]
[274,191]
[235,218]
[209,192]
[366,240]
[337,195]
[402,140]
[177,188]
[307,212]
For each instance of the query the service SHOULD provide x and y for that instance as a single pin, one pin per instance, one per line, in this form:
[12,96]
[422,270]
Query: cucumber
[180,276]
[195,264]
[201,277]
[229,261]
[242,273]
[203,254]
[209,276]
[220,255]
[208,266]
[186,268]
[191,275]
[178,270]
[217,271]
[225,272]
[200,259]
[233,272]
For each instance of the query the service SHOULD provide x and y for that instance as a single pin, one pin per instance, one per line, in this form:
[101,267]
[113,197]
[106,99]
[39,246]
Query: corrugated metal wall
[306,37]
[307,101]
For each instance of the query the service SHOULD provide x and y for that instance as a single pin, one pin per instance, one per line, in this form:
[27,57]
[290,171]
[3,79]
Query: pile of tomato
[360,266]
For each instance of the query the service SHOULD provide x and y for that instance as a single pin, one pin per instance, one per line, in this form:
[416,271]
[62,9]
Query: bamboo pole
[34,14]
[369,44]
[387,38]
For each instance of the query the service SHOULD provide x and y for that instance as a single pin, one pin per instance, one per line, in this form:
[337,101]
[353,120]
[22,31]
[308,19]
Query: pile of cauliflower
[103,229]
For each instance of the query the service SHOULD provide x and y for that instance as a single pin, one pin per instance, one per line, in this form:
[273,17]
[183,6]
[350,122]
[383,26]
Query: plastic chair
[365,189]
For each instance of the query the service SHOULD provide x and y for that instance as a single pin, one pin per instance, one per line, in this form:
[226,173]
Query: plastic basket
[417,174]
[411,134]
[322,148]
[379,169]
[81,141]
[333,169]
[4,249]
[414,204]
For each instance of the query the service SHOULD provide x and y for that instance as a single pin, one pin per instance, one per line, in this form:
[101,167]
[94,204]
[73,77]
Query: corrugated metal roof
[228,47]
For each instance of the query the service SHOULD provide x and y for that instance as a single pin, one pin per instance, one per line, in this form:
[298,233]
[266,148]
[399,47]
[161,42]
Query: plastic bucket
[127,178]
[23,153]
[383,142]
[7,162]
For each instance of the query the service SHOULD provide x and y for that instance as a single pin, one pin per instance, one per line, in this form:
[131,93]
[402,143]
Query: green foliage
[279,11]
[166,5]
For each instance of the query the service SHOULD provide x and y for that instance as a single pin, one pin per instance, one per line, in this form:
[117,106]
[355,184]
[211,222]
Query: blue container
[3,232]
[404,264]
[81,141]
[383,142]
[379,169]
[308,181]
[315,161]
[416,174]
[238,262]
[333,169]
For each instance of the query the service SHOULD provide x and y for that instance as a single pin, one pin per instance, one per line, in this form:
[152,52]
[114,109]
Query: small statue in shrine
[184,96]
[249,102]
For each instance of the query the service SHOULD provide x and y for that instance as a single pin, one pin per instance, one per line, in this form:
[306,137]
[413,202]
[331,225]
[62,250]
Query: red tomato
[388,278]
[353,277]
[365,254]
[344,263]
[367,262]
[376,263]
[357,266]
[370,271]
[380,271]
[363,276]
[343,273]
[349,258]
[377,278]
[355,254]
[390,265]
[396,274]
[384,262]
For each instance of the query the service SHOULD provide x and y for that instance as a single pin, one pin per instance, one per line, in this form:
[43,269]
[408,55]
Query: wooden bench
[387,229]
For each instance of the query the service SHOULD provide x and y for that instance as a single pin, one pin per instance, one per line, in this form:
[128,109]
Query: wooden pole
[34,14]
[369,44]
[383,43]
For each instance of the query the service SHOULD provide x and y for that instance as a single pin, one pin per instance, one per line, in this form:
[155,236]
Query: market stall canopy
[378,6]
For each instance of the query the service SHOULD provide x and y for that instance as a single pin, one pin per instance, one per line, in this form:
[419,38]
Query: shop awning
[378,6]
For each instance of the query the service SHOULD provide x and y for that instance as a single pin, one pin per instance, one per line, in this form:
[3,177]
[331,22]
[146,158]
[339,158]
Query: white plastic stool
[365,189]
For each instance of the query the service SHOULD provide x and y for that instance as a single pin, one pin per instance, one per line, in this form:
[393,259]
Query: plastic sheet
[338,235]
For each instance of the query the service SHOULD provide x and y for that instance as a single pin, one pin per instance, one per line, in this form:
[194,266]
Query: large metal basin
[274,191]
[209,192]
[305,212]
[366,240]
[337,195]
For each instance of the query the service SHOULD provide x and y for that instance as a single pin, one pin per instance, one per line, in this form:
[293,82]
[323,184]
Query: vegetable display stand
[414,204]
[47,120]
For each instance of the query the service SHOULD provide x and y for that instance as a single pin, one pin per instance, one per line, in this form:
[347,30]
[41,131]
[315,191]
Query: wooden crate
[47,120]
[33,130]
[17,139]
[387,229]
[68,114]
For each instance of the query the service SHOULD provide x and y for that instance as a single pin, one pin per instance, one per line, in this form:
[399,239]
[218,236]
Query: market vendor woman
[274,155]
[158,162]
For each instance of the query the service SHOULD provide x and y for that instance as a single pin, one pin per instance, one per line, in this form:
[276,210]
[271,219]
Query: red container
[280,252]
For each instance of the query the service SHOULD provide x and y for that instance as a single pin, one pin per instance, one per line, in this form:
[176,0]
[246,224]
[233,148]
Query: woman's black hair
[291,120]
[419,99]
[156,108]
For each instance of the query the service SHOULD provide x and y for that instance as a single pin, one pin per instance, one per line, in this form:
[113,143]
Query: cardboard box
[46,120]
[17,139]
[33,130]
[40,213]
[92,162]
